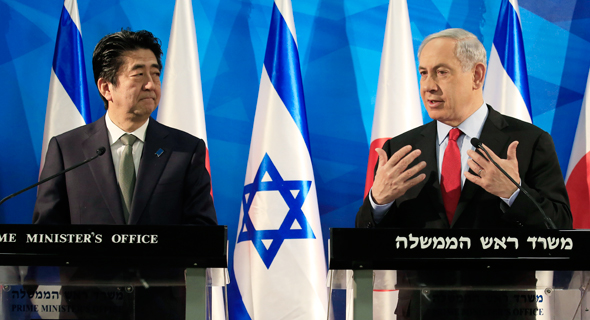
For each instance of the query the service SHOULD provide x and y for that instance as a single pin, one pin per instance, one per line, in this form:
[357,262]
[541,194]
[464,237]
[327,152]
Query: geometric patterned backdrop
[340,45]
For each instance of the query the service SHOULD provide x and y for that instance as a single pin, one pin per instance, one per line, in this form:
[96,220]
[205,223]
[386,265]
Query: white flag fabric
[181,105]
[279,260]
[577,179]
[507,86]
[68,105]
[397,108]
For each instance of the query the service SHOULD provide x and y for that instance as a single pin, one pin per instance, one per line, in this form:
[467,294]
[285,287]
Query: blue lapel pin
[159,152]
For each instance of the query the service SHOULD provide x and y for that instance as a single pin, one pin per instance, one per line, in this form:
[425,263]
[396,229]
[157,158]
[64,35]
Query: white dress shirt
[117,146]
[470,128]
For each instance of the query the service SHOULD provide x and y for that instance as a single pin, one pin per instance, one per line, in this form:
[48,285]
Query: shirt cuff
[379,210]
[510,201]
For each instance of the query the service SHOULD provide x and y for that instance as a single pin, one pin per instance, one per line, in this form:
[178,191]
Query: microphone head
[475,142]
[100,151]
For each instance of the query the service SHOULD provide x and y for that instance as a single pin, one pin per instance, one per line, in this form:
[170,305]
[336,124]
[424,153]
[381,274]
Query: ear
[105,88]
[479,74]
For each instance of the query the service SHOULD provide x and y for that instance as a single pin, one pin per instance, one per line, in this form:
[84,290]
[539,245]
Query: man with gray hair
[431,176]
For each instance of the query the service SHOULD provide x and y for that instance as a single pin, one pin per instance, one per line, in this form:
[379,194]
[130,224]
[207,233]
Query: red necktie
[450,178]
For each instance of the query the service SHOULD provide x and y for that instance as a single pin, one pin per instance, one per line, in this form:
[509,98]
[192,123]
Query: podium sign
[460,274]
[112,272]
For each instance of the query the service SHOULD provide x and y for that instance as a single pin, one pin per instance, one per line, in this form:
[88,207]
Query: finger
[478,158]
[382,156]
[473,178]
[414,181]
[396,157]
[476,163]
[511,153]
[412,171]
[474,166]
[403,164]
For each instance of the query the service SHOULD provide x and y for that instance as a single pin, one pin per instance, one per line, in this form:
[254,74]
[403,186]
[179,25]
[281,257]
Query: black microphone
[548,222]
[99,152]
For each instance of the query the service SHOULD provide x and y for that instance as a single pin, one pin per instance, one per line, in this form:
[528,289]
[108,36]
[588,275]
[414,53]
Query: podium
[459,274]
[113,272]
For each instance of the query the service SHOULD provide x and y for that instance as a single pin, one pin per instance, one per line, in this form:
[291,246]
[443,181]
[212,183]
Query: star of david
[294,193]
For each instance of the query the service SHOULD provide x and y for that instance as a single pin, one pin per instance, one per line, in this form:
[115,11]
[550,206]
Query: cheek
[130,95]
[133,91]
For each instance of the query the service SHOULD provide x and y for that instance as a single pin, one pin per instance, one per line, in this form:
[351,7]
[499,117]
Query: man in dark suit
[150,174]
[431,176]
[172,183]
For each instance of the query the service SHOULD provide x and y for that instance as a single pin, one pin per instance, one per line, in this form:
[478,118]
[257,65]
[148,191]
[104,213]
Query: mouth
[434,103]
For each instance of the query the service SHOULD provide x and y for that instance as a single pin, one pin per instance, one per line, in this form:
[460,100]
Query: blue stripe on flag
[69,66]
[281,61]
[236,308]
[509,44]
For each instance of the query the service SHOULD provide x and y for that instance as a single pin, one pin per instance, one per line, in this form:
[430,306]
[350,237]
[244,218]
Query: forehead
[138,58]
[439,51]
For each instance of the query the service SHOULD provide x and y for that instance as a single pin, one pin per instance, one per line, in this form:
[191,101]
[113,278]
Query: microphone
[548,222]
[99,152]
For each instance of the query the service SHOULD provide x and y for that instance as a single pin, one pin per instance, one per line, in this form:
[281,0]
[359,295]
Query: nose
[152,82]
[428,84]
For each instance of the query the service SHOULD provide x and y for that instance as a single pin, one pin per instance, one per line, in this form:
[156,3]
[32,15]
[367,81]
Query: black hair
[107,56]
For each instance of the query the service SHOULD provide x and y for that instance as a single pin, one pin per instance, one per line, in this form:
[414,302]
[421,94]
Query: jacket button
[369,225]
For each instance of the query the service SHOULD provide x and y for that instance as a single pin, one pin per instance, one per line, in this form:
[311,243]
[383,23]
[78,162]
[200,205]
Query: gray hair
[468,48]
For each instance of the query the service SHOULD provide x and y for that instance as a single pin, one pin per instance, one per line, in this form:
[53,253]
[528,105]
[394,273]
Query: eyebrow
[437,66]
[139,66]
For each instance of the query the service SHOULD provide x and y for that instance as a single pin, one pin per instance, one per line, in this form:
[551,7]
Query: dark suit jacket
[422,205]
[173,188]
[541,177]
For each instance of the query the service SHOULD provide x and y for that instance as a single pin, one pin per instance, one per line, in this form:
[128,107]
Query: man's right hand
[392,180]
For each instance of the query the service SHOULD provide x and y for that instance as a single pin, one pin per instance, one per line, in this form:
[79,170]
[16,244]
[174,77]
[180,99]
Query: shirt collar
[471,127]
[115,132]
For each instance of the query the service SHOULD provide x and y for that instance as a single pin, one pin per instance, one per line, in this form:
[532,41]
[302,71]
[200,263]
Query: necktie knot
[454,134]
[128,139]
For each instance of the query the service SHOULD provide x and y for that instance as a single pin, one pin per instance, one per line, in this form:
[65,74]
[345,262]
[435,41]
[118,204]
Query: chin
[144,111]
[433,114]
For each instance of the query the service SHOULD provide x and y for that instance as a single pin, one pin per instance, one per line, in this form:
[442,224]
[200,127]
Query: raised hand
[489,177]
[393,178]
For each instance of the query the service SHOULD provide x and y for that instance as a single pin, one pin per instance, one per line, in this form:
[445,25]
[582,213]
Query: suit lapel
[495,140]
[102,168]
[428,144]
[150,167]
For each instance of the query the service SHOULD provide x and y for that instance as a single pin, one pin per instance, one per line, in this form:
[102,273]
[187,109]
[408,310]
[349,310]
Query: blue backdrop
[340,45]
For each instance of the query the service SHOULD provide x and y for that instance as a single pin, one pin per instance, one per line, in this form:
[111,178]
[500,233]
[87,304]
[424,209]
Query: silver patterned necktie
[127,173]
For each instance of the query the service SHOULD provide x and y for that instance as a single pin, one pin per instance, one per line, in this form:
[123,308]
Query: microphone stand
[548,222]
[99,152]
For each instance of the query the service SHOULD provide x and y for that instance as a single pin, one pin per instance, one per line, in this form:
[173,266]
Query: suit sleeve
[364,217]
[52,205]
[198,206]
[544,182]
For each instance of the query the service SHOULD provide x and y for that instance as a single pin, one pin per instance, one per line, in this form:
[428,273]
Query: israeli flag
[507,84]
[68,105]
[279,259]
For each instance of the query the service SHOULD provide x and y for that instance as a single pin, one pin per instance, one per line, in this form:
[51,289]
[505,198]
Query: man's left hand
[489,177]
